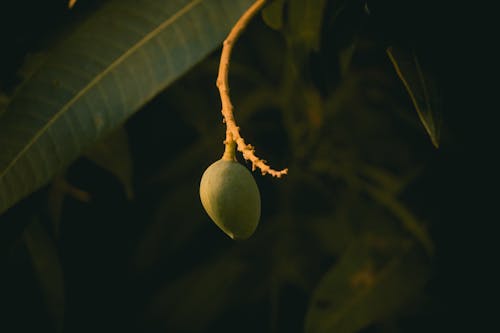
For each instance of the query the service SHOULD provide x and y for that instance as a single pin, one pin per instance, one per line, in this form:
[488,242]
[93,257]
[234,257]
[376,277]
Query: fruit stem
[230,149]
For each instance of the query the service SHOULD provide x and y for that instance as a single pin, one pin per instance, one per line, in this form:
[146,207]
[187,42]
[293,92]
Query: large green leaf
[367,285]
[114,62]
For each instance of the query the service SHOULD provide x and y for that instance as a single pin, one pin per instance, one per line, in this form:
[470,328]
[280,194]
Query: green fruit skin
[231,198]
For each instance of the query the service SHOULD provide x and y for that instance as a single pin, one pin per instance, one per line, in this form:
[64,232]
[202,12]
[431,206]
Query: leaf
[55,199]
[113,154]
[305,18]
[345,58]
[114,62]
[272,14]
[48,270]
[365,287]
[409,221]
[421,89]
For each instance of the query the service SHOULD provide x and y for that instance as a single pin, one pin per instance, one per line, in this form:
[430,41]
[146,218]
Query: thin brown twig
[232,130]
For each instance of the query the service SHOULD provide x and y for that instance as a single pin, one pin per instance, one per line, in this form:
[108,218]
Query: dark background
[118,255]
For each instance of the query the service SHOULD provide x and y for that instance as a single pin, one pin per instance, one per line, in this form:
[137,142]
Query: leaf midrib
[99,77]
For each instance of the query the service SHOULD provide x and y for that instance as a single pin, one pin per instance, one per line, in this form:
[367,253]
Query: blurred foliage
[47,268]
[345,241]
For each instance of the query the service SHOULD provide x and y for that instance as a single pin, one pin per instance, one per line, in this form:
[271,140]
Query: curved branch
[232,130]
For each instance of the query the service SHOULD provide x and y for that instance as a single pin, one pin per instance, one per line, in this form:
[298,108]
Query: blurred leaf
[420,87]
[314,108]
[165,235]
[305,18]
[345,58]
[391,183]
[112,153]
[335,232]
[192,302]
[32,63]
[48,270]
[57,192]
[366,286]
[410,222]
[272,14]
[114,62]
[384,197]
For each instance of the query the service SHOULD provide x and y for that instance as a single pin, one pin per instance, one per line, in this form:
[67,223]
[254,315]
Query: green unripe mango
[231,198]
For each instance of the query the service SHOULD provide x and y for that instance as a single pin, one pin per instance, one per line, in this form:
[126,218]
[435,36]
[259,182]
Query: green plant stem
[230,150]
